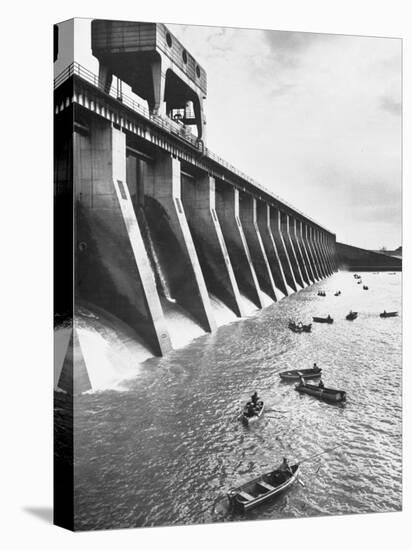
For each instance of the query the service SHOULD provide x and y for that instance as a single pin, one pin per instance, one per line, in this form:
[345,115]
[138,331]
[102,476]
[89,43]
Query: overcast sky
[315,118]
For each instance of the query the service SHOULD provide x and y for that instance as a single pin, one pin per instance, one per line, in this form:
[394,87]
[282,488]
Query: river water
[167,448]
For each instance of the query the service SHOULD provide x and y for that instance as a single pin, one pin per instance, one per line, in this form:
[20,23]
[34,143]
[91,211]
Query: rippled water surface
[168,448]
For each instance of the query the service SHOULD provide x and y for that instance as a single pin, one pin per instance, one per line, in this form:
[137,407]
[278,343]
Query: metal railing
[169,125]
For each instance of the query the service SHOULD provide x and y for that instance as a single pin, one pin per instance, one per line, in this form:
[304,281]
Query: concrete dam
[157,239]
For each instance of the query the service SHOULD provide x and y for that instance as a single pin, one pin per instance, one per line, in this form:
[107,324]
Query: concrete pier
[199,201]
[286,231]
[298,250]
[113,270]
[248,218]
[322,253]
[168,224]
[319,264]
[276,227]
[264,223]
[227,206]
[305,252]
[311,253]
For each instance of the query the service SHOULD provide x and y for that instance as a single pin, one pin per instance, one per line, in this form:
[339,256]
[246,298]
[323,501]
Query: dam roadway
[164,228]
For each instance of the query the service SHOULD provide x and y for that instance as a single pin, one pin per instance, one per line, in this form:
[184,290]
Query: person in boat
[315,367]
[328,316]
[250,410]
[284,467]
[321,385]
[255,399]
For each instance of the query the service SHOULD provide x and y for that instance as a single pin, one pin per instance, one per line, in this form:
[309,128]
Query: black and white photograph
[227,274]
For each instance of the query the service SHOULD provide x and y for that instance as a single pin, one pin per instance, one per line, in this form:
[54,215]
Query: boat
[307,374]
[265,487]
[326,394]
[360,282]
[321,293]
[246,418]
[365,287]
[327,319]
[338,293]
[299,327]
[357,276]
[388,314]
[352,315]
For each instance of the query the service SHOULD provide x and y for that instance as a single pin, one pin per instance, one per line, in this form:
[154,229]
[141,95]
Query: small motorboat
[321,293]
[327,319]
[299,327]
[365,287]
[356,276]
[338,293]
[307,374]
[360,282]
[251,414]
[388,314]
[326,394]
[265,487]
[351,315]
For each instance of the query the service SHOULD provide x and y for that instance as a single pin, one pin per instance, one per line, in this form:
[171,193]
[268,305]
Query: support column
[263,218]
[113,270]
[286,230]
[158,106]
[163,196]
[276,227]
[319,263]
[199,200]
[298,249]
[327,251]
[321,253]
[305,252]
[311,253]
[227,204]
[248,218]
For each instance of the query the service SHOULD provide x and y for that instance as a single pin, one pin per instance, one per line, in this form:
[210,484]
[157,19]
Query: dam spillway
[152,228]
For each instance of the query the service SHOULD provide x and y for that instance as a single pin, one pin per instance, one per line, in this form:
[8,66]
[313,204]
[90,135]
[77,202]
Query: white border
[26,218]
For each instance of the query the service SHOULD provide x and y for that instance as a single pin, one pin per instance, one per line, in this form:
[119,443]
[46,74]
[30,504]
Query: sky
[315,118]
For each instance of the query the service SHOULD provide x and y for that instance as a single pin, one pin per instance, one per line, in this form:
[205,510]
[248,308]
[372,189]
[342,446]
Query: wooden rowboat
[246,419]
[388,314]
[326,394]
[352,315]
[327,319]
[299,327]
[307,374]
[265,487]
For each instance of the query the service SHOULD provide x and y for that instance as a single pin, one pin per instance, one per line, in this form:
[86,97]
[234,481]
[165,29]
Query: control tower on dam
[157,239]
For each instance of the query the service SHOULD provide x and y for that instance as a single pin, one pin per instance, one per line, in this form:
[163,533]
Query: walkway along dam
[157,238]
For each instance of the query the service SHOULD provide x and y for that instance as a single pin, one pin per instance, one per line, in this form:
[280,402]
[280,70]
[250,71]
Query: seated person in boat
[255,398]
[285,466]
[329,316]
[321,385]
[315,367]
